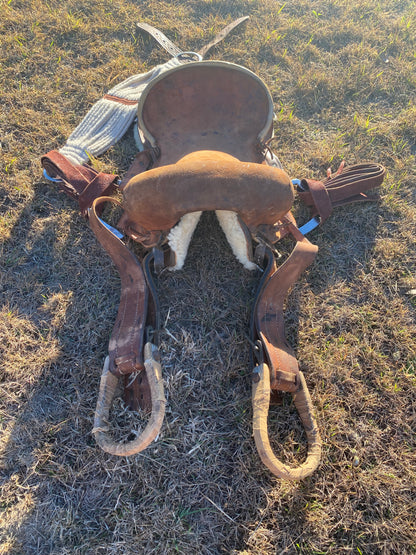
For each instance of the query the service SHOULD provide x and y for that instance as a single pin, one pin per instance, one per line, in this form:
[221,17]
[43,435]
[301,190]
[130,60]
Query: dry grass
[343,77]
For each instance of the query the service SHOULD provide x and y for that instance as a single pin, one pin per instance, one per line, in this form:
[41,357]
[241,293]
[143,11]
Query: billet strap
[175,51]
[347,185]
[82,183]
[127,339]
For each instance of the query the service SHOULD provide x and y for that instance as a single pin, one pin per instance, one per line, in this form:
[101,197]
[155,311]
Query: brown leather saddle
[205,127]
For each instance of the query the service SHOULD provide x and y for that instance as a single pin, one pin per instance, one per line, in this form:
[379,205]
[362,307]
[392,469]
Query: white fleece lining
[235,237]
[180,236]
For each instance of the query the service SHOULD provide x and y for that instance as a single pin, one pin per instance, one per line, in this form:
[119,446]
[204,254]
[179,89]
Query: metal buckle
[189,57]
[257,347]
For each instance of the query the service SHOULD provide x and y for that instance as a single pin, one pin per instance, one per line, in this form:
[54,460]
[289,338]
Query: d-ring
[189,57]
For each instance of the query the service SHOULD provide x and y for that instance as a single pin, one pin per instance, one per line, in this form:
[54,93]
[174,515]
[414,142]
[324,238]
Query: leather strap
[127,339]
[346,186]
[161,38]
[222,34]
[174,50]
[82,183]
[142,162]
[320,197]
[268,311]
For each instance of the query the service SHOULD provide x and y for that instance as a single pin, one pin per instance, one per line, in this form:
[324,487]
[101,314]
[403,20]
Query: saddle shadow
[52,348]
[342,254]
[207,364]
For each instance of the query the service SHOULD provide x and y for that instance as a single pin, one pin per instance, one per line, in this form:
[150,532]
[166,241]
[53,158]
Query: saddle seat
[206,105]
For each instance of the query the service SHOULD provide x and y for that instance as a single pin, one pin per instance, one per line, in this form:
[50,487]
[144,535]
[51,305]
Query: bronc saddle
[205,127]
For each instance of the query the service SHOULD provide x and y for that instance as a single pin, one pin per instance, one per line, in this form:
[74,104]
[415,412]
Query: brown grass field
[343,78]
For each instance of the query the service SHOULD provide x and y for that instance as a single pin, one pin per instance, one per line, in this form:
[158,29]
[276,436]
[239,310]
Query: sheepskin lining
[180,237]
[235,236]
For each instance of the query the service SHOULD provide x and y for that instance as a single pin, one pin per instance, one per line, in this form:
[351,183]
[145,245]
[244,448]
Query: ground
[343,76]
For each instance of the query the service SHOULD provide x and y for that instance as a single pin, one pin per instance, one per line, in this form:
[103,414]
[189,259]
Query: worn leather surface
[207,106]
[269,313]
[125,348]
[82,183]
[174,50]
[207,180]
[346,186]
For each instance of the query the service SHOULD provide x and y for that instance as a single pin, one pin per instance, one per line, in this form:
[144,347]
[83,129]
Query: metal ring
[189,57]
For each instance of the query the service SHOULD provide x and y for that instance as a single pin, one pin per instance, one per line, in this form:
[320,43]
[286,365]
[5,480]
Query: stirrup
[106,394]
[303,403]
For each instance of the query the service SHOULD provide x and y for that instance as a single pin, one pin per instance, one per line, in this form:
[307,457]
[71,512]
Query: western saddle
[204,129]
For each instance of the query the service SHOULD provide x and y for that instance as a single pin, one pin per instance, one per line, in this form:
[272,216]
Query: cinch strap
[83,183]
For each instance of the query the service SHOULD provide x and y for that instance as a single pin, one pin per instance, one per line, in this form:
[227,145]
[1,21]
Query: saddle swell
[206,180]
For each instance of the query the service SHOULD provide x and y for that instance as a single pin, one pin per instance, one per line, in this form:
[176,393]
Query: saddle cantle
[204,128]
[207,105]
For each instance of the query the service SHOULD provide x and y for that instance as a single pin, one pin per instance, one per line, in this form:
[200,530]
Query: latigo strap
[346,186]
[82,183]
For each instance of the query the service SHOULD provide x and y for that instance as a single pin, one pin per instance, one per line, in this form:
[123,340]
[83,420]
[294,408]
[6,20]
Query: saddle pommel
[206,180]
